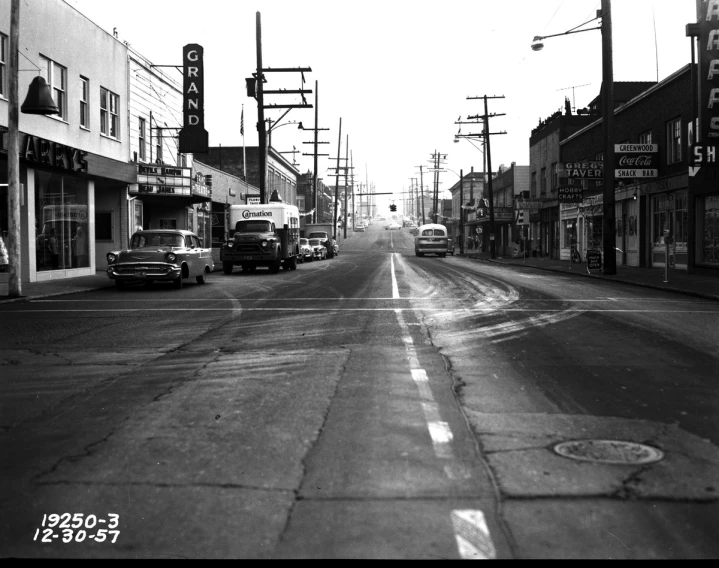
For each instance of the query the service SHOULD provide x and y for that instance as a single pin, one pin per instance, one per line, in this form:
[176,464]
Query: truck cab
[262,235]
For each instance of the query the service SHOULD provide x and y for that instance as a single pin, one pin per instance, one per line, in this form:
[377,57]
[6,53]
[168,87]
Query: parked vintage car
[319,252]
[161,255]
[305,250]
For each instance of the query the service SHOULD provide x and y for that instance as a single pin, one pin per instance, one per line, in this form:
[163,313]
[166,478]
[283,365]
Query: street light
[608,245]
[38,101]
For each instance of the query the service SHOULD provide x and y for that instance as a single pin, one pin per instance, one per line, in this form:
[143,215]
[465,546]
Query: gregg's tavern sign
[193,136]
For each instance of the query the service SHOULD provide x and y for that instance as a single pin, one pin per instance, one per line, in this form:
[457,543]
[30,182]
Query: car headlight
[229,245]
[111,257]
[171,257]
[264,244]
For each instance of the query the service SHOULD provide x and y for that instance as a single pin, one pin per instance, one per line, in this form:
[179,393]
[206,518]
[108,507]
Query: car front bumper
[130,272]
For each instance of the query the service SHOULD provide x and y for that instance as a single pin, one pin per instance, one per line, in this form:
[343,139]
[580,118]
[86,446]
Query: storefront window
[61,220]
[663,212]
[708,230]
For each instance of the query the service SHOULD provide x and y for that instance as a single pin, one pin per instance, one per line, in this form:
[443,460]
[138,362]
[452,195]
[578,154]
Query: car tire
[177,282]
[293,263]
[120,284]
[200,279]
[227,267]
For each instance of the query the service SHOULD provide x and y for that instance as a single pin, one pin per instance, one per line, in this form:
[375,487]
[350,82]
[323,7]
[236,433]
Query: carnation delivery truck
[262,235]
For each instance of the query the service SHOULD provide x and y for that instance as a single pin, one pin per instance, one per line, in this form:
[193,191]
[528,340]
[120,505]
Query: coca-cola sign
[636,160]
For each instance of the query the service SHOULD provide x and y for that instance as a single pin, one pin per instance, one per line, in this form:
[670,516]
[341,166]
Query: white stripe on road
[395,288]
[472,534]
[470,528]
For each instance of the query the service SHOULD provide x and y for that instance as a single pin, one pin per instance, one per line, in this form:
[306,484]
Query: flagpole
[244,156]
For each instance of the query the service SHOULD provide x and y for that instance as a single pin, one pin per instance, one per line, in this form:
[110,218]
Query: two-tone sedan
[305,250]
[319,252]
[161,256]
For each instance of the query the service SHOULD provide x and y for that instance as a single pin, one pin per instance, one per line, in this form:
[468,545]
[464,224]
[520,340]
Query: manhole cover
[608,451]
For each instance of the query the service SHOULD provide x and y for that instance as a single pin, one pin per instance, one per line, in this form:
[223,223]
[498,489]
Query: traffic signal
[393,207]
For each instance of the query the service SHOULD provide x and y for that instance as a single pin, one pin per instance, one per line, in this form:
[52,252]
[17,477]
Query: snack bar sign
[636,161]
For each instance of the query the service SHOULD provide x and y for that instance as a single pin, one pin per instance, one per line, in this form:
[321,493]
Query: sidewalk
[701,285]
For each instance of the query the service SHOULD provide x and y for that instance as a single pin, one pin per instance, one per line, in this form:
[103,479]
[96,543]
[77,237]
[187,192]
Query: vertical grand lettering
[193,136]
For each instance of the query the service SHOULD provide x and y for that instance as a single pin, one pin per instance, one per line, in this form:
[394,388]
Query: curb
[601,277]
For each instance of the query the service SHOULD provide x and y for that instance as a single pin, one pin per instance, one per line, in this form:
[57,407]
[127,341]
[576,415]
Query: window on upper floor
[674,141]
[56,77]
[3,66]
[645,137]
[109,113]
[533,184]
[555,177]
[84,102]
[543,182]
[142,130]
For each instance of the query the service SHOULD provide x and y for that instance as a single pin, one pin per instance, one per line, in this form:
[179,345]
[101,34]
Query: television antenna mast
[574,104]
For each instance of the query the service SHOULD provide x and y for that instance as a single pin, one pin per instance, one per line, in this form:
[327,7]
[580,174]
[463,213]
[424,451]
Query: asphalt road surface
[375,405]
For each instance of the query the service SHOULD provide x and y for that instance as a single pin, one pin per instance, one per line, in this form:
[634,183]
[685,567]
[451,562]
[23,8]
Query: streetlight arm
[540,38]
[572,30]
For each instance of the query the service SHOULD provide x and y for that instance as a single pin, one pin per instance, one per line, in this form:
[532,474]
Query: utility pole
[490,196]
[461,211]
[344,209]
[259,94]
[337,182]
[13,157]
[421,190]
[315,153]
[610,257]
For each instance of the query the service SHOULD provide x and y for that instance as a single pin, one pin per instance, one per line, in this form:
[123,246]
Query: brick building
[645,208]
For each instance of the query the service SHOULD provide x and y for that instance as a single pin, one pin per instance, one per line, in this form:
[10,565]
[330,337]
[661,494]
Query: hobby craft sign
[193,136]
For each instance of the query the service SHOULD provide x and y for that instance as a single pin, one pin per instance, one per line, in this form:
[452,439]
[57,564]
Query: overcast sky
[398,73]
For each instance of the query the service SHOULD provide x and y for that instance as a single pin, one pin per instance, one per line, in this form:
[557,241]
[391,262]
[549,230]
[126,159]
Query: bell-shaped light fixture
[39,99]
[537,44]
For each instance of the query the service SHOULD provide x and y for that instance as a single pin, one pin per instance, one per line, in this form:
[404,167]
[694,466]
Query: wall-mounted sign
[583,170]
[569,194]
[43,152]
[169,180]
[193,136]
[636,160]
[708,13]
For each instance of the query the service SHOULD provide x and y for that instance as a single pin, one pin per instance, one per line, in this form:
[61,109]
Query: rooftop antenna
[574,104]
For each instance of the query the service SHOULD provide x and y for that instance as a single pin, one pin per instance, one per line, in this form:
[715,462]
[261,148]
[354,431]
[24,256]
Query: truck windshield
[253,227]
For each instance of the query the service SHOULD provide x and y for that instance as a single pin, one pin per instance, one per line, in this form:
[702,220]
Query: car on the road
[305,250]
[319,252]
[359,227]
[161,255]
[392,225]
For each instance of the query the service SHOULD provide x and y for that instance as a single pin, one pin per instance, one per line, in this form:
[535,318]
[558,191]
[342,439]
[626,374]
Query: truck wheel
[292,263]
[120,284]
[227,267]
[275,267]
